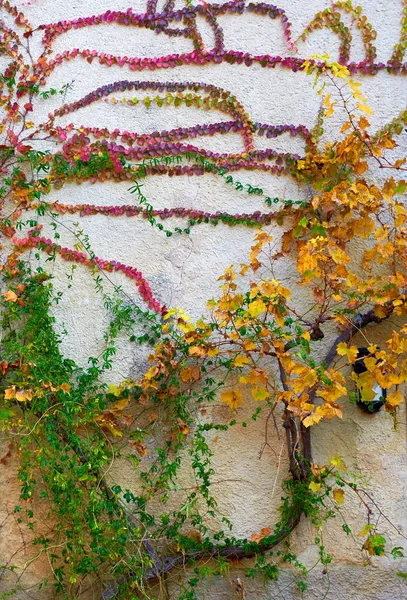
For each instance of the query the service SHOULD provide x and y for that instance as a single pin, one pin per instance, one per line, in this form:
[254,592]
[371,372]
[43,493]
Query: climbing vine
[67,426]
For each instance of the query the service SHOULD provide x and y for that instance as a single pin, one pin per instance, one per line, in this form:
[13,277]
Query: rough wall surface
[183,270]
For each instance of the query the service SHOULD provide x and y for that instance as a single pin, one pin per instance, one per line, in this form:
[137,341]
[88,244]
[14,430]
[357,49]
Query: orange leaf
[10,296]
[183,427]
[10,393]
[197,351]
[257,537]
[141,448]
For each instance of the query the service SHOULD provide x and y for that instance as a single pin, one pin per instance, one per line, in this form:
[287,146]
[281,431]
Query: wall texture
[183,270]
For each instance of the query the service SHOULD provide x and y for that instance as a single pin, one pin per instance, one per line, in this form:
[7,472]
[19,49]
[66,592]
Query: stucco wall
[183,271]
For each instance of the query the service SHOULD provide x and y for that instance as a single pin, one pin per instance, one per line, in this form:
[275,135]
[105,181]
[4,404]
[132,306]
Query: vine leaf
[10,296]
[339,496]
[257,537]
[233,398]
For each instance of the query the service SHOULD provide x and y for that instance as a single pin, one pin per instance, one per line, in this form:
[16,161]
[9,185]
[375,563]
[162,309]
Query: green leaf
[6,413]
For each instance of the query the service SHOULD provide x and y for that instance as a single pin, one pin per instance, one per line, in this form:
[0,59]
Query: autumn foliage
[294,362]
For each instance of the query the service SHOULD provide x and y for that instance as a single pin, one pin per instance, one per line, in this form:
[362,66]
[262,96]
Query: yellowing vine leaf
[394,399]
[350,352]
[256,308]
[312,419]
[339,496]
[241,360]
[10,393]
[260,394]
[197,351]
[365,530]
[233,398]
[364,108]
[337,462]
[107,421]
[190,374]
[23,395]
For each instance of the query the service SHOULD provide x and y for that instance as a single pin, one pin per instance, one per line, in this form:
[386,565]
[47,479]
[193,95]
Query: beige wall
[183,271]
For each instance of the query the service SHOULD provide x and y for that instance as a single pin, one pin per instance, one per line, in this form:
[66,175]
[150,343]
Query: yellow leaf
[213,352]
[10,296]
[365,530]
[364,227]
[307,379]
[240,360]
[311,420]
[339,496]
[178,313]
[185,327]
[232,398]
[364,108]
[370,363]
[345,127]
[116,390]
[10,393]
[257,376]
[118,407]
[65,387]
[365,383]
[339,70]
[197,351]
[337,462]
[388,143]
[314,487]
[249,345]
[350,352]
[330,111]
[23,395]
[260,393]
[395,398]
[380,311]
[256,308]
